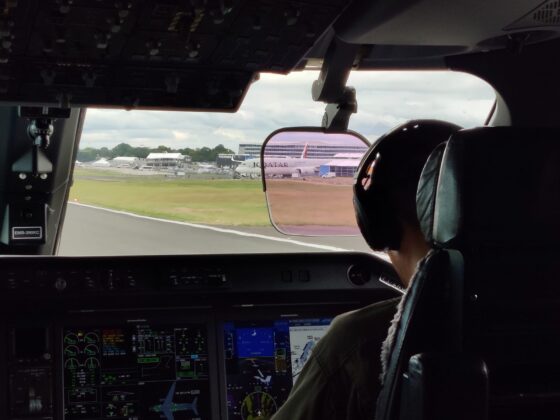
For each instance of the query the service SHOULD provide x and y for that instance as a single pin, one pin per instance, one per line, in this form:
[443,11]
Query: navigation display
[263,360]
[136,372]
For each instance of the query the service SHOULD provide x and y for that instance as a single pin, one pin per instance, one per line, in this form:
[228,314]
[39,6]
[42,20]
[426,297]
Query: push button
[286,276]
[303,276]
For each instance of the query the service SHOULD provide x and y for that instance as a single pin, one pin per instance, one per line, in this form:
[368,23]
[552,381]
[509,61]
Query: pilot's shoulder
[351,330]
[378,314]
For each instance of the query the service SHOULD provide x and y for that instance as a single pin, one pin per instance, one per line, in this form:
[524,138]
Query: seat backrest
[490,205]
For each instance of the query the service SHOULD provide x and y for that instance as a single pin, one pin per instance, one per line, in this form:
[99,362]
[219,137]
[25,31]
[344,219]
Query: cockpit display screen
[136,372]
[263,360]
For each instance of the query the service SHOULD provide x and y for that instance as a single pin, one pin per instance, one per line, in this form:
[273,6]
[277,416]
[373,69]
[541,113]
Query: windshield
[154,182]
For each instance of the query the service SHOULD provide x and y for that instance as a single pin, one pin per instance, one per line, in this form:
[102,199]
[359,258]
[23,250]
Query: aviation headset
[394,161]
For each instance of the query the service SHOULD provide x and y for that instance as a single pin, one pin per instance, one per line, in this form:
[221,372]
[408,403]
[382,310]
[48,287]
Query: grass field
[209,201]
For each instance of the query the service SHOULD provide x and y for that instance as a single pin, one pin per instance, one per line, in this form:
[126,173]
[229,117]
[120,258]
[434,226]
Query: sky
[385,99]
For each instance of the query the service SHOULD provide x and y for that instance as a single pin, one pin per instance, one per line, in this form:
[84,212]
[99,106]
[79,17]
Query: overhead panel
[151,54]
[546,14]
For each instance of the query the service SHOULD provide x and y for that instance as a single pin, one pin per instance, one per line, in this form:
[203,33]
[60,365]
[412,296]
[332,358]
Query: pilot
[343,376]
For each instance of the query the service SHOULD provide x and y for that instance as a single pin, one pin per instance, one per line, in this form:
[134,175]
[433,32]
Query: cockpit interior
[225,336]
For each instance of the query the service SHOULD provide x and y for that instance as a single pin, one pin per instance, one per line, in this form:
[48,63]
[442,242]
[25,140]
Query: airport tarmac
[93,231]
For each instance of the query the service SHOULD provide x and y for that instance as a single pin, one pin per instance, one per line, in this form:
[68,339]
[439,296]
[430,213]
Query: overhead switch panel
[151,54]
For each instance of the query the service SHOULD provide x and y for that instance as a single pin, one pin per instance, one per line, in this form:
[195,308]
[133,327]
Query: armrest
[441,386]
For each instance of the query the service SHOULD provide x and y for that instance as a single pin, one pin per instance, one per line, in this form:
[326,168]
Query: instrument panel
[204,352]
[138,371]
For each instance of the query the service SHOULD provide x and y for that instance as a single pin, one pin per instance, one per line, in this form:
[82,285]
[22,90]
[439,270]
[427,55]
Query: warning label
[27,233]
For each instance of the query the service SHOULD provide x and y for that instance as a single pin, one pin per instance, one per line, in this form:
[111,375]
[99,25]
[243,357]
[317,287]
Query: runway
[94,231]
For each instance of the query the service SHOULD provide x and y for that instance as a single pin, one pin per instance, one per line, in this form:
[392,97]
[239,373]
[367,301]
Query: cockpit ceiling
[416,32]
[204,54]
[198,54]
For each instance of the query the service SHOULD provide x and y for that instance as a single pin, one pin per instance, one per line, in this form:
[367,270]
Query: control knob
[60,284]
[358,275]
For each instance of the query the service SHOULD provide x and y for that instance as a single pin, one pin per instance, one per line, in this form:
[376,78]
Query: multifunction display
[136,372]
[263,361]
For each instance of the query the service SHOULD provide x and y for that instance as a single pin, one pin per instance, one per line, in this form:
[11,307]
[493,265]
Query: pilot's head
[385,188]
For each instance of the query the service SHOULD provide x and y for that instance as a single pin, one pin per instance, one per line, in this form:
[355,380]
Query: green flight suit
[341,378]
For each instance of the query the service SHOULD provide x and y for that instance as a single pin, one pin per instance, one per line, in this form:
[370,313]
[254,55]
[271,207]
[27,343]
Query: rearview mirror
[308,176]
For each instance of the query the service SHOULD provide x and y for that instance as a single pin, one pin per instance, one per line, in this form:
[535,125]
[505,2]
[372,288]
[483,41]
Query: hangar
[342,165]
[339,167]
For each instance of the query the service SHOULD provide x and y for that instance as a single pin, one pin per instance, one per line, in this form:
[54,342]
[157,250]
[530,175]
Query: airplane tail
[304,153]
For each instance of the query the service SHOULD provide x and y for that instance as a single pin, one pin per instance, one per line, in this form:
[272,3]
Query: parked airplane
[282,166]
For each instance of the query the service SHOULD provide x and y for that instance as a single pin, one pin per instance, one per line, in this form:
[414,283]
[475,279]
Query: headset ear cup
[385,223]
[377,220]
[362,221]
[375,216]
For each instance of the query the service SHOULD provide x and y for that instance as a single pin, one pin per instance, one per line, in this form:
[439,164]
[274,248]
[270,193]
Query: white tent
[129,161]
[101,163]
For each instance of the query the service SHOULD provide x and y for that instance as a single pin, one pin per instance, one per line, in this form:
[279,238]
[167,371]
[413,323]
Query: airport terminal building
[251,149]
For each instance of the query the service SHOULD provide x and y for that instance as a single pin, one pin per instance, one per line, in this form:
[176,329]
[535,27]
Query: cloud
[180,135]
[385,99]
[229,133]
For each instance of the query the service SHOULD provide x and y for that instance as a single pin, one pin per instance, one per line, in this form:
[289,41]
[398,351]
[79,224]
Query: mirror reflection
[309,176]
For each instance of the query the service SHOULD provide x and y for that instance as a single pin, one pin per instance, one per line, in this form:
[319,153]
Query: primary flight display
[263,360]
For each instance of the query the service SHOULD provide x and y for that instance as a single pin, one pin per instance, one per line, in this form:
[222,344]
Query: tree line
[203,154]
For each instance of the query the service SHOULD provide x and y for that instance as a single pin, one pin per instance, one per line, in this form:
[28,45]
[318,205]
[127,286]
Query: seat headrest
[426,194]
[494,185]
